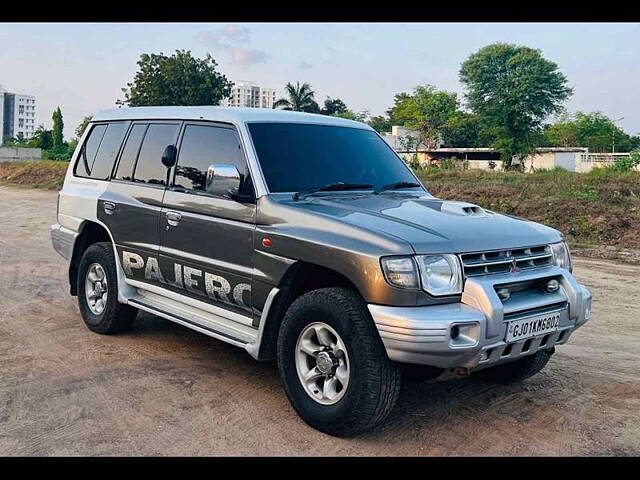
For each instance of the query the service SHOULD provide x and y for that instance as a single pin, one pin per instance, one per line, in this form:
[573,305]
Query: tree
[41,138]
[334,106]
[179,79]
[593,130]
[83,126]
[513,89]
[427,110]
[58,127]
[351,115]
[380,123]
[300,99]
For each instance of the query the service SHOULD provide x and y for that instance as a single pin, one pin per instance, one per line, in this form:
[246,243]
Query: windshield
[297,156]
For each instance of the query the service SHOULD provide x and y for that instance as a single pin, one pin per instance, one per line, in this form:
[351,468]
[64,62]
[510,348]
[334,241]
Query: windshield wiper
[397,186]
[332,187]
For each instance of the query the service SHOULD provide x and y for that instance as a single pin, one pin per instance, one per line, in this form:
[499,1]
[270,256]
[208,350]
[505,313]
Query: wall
[19,154]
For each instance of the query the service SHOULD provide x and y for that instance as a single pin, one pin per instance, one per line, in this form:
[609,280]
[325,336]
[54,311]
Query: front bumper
[423,335]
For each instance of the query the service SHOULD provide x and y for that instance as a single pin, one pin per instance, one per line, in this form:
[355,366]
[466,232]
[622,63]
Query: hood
[432,225]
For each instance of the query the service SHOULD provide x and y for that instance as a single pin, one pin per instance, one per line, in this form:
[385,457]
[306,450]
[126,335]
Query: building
[248,94]
[17,115]
[573,159]
[403,139]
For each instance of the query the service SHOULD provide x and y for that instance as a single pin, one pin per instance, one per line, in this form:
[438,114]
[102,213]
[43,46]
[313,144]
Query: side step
[203,322]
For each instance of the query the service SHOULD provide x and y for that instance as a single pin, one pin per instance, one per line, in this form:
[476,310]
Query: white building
[402,139]
[17,115]
[248,94]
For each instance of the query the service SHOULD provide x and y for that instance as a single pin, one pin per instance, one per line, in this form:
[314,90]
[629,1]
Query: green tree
[513,89]
[593,130]
[380,123]
[427,110]
[300,98]
[333,106]
[58,127]
[351,115]
[179,79]
[41,138]
[83,126]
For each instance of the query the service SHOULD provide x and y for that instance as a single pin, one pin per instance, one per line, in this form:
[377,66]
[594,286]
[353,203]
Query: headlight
[400,272]
[440,274]
[561,256]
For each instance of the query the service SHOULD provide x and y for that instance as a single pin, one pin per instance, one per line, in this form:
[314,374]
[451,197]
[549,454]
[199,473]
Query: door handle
[109,207]
[173,218]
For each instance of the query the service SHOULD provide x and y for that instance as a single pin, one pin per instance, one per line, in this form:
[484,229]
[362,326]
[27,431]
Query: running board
[206,322]
[195,321]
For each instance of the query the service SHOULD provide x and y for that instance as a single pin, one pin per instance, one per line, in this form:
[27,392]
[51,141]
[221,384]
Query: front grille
[501,261]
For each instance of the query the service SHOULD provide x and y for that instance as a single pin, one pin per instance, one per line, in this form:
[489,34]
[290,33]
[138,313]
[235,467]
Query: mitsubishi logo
[514,266]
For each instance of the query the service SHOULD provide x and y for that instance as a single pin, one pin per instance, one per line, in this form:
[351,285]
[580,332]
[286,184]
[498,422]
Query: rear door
[132,203]
[208,253]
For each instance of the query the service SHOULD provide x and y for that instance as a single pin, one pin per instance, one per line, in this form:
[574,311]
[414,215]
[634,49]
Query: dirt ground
[162,389]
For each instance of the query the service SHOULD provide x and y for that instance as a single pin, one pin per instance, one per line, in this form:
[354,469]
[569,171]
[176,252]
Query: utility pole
[613,135]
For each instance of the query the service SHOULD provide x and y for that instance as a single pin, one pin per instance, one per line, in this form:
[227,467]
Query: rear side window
[149,167]
[100,150]
[130,152]
[205,145]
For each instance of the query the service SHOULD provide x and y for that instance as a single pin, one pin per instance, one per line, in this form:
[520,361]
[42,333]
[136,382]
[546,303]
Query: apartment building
[17,115]
[248,94]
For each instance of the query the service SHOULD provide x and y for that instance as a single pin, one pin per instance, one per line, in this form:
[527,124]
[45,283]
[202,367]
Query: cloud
[304,66]
[235,33]
[247,56]
[208,37]
[226,38]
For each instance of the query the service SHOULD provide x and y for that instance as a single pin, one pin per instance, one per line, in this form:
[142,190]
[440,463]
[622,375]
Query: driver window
[203,145]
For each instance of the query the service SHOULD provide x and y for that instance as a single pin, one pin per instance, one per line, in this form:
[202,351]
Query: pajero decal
[193,280]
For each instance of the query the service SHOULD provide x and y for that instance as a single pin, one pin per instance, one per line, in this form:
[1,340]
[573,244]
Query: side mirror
[169,156]
[223,180]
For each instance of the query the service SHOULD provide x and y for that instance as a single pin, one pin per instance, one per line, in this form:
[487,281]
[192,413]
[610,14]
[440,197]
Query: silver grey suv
[306,239]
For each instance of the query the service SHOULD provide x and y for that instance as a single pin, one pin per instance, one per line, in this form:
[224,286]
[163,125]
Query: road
[162,389]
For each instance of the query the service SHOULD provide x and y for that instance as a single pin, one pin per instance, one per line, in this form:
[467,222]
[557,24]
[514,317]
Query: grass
[46,174]
[597,208]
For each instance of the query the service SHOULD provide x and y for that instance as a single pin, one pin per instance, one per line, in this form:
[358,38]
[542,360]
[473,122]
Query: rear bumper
[423,335]
[63,240]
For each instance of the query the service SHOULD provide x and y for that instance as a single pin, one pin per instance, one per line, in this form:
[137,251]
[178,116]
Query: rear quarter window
[100,150]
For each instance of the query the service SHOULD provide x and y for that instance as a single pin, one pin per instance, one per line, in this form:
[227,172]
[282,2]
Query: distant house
[573,159]
[403,139]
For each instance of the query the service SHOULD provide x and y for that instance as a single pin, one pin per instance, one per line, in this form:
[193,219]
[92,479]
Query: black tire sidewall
[340,416]
[102,254]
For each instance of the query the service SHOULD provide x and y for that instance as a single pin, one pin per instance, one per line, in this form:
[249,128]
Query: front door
[206,242]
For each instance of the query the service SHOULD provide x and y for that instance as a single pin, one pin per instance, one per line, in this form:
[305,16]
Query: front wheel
[333,364]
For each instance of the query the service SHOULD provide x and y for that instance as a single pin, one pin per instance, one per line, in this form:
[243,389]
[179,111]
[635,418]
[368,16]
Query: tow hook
[461,371]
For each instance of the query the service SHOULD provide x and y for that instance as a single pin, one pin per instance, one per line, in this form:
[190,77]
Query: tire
[373,381]
[114,317]
[519,370]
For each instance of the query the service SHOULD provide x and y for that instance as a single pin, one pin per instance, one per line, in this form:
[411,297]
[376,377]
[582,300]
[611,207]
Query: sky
[82,67]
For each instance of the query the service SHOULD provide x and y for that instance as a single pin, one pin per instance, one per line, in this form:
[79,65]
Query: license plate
[532,326]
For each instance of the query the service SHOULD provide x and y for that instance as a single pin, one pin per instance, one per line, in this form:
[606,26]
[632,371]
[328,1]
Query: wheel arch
[300,278]
[90,233]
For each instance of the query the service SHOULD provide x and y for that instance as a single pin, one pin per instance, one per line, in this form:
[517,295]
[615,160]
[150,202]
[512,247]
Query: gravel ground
[162,389]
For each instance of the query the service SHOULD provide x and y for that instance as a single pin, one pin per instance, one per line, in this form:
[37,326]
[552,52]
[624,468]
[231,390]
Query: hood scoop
[463,209]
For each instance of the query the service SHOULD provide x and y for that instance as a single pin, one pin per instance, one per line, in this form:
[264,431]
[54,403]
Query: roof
[235,115]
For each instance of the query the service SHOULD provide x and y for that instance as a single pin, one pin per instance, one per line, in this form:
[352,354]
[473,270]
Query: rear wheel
[333,364]
[98,292]
[519,370]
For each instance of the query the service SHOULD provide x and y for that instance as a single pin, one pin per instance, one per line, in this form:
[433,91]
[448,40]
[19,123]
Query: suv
[305,238]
